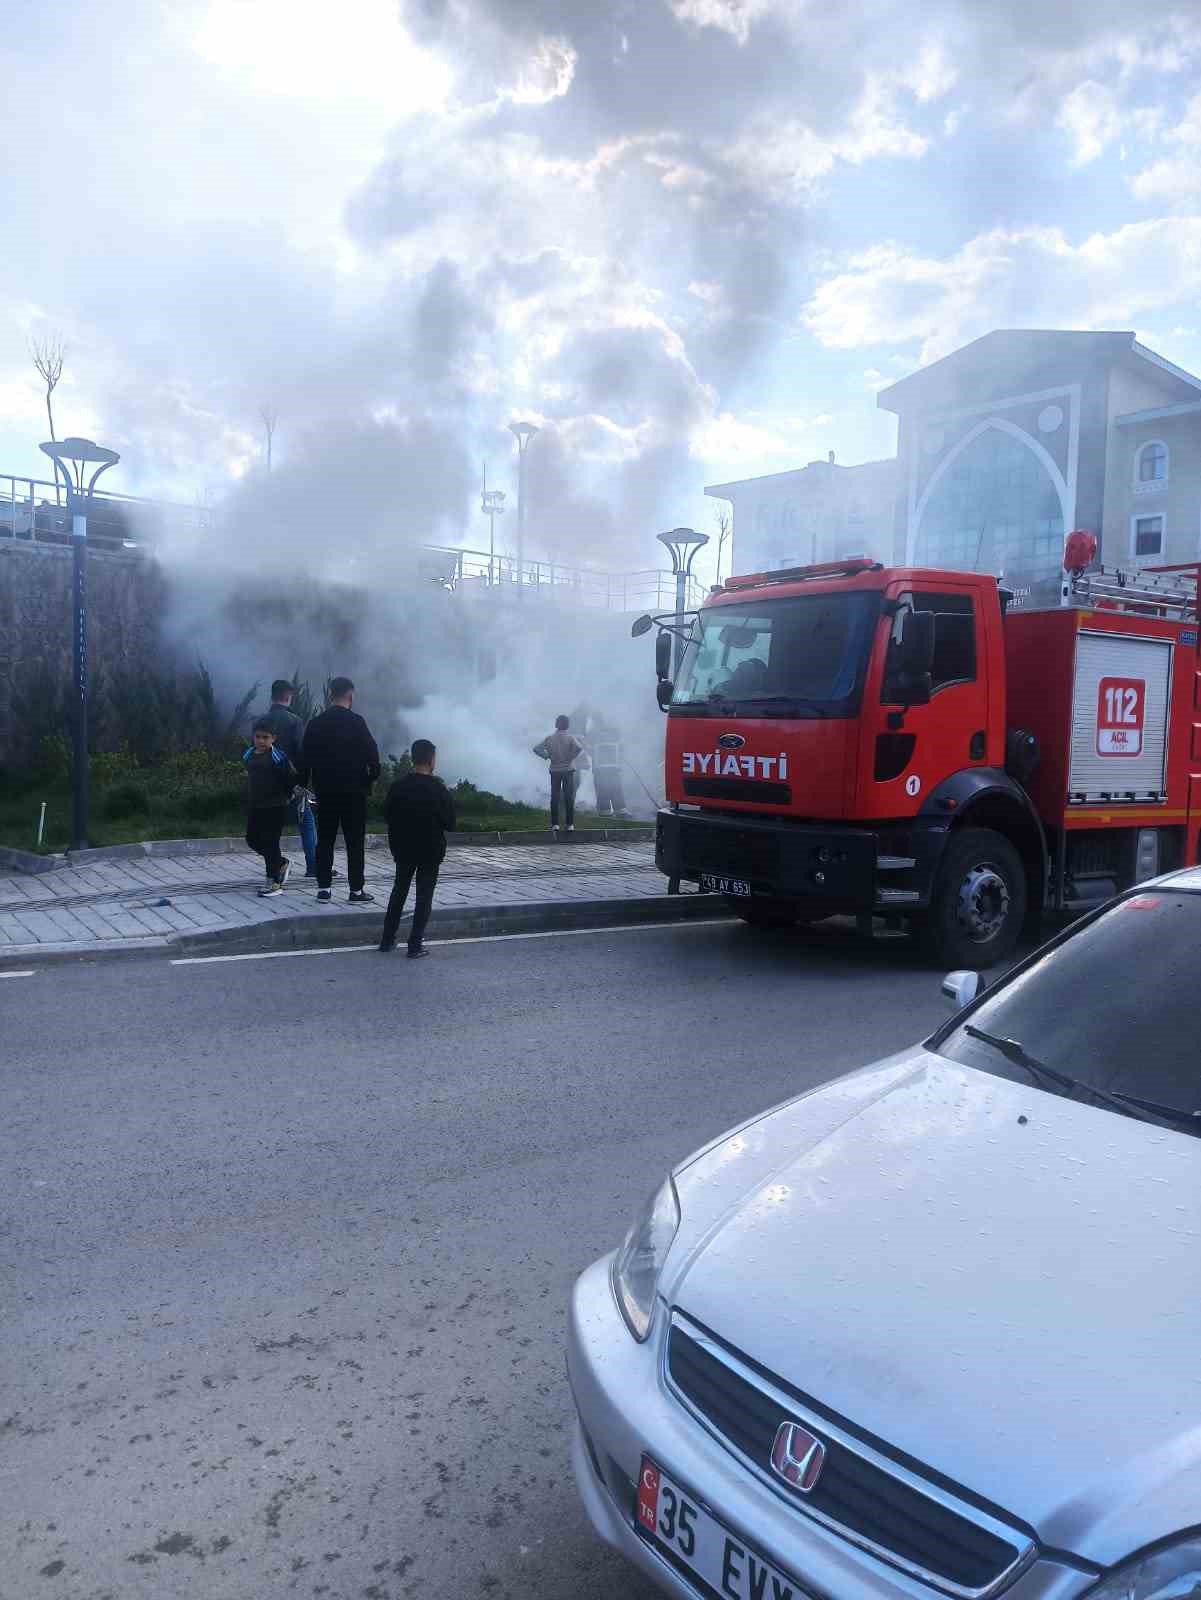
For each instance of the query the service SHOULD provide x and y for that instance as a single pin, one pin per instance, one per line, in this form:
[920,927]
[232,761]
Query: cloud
[1175,180]
[1034,277]
[1091,116]
[449,212]
[735,17]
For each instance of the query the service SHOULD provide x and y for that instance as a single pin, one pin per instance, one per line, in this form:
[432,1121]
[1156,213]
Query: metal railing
[551,581]
[34,509]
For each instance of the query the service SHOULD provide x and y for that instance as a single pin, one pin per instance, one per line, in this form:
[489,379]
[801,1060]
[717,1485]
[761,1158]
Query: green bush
[111,766]
[470,801]
[125,800]
[52,758]
[205,805]
[190,769]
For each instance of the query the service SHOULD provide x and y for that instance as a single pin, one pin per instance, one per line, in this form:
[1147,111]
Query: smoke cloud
[686,238]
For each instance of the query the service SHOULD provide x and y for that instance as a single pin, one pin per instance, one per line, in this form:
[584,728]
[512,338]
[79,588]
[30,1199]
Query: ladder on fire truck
[1169,592]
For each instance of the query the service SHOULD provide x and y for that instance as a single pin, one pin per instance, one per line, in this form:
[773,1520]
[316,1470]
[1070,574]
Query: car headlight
[1173,1573]
[637,1265]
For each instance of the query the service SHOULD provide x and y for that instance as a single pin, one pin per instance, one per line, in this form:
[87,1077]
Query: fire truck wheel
[979,901]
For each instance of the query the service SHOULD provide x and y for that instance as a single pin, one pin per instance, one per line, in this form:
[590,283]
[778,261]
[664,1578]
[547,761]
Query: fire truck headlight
[1173,1573]
[637,1265]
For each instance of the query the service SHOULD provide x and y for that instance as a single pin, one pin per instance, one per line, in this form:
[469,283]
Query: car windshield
[802,657]
[1113,1006]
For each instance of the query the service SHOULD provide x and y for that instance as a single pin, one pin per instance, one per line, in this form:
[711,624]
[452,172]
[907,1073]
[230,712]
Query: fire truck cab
[901,742]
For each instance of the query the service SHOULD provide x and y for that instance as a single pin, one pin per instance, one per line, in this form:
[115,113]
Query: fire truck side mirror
[663,694]
[663,656]
[916,646]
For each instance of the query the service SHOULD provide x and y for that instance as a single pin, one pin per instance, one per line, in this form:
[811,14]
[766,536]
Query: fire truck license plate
[1121,708]
[670,1520]
[712,884]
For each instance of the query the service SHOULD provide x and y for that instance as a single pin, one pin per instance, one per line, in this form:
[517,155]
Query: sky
[690,239]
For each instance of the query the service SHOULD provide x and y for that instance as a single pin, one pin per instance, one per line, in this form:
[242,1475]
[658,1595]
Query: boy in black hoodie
[420,813]
[271,778]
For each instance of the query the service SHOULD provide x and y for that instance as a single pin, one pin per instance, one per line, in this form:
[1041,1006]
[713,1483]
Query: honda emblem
[797,1456]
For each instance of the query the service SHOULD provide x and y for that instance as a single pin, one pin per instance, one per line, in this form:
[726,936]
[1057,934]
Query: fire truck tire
[979,901]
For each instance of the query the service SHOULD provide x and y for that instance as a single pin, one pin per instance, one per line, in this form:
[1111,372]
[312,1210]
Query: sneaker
[360,897]
[571,827]
[416,954]
[285,872]
[554,827]
[386,946]
[325,894]
[270,887]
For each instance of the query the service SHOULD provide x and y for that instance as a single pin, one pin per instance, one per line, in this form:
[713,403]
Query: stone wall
[125,606]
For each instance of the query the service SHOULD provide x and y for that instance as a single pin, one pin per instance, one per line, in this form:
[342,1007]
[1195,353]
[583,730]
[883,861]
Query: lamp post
[72,458]
[523,432]
[492,504]
[683,544]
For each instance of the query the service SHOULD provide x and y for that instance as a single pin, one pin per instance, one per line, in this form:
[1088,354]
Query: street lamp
[492,504]
[683,544]
[72,458]
[523,432]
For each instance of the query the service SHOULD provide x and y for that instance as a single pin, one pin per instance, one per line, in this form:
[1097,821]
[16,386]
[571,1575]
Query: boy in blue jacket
[271,778]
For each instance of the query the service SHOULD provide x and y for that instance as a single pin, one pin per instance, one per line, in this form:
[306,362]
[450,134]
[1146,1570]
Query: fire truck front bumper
[829,865]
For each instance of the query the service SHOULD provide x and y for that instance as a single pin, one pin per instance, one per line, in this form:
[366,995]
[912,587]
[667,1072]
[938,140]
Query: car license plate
[712,884]
[672,1520]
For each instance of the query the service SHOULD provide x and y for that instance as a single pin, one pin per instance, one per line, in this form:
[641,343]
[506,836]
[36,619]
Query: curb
[26,861]
[353,927]
[312,931]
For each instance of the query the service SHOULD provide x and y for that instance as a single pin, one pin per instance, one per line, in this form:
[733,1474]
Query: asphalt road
[286,1245]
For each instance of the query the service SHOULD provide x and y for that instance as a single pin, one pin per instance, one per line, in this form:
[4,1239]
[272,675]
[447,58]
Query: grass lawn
[205,801]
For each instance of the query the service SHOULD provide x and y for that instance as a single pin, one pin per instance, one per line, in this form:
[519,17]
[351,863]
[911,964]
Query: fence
[35,509]
[551,582]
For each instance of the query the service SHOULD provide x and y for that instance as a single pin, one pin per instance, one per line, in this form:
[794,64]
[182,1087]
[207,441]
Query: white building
[816,513]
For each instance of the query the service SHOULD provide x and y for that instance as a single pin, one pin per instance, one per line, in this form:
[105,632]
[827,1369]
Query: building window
[1152,463]
[1148,536]
[995,509]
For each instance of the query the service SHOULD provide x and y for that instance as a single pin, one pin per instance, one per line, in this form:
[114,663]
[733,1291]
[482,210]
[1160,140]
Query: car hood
[1000,1283]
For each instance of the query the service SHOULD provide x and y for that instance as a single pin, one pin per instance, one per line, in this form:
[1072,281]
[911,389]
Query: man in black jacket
[420,814]
[339,760]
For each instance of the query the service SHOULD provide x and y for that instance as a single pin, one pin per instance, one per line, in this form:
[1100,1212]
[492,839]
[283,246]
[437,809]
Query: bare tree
[723,521]
[48,356]
[269,416]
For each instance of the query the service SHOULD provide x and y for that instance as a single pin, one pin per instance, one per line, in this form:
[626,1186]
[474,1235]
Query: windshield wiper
[1186,1118]
[796,701]
[729,705]
[1013,1050]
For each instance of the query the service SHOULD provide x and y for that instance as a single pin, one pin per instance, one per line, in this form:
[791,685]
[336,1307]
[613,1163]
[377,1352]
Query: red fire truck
[896,742]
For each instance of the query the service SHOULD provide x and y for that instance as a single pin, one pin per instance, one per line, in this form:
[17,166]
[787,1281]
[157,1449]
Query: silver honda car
[934,1328]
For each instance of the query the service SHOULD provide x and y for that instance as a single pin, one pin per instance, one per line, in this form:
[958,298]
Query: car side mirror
[961,988]
[663,656]
[664,690]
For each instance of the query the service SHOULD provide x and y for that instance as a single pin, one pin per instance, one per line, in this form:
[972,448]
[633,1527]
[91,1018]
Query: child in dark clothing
[271,778]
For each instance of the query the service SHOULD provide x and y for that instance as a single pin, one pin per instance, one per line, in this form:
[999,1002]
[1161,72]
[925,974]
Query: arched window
[994,509]
[1152,463]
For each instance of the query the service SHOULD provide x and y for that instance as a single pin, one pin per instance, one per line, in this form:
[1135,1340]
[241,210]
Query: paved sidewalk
[157,902]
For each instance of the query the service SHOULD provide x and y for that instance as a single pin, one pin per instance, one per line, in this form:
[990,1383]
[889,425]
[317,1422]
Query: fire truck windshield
[802,657]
